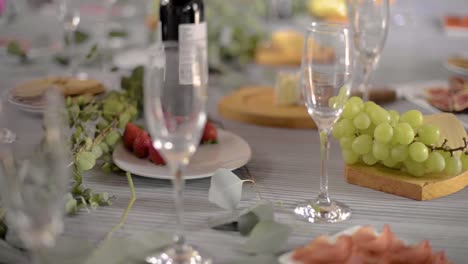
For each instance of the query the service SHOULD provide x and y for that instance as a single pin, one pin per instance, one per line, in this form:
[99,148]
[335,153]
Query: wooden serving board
[396,182]
[427,187]
[256,105]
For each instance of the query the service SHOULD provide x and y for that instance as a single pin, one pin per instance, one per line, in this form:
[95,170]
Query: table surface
[286,165]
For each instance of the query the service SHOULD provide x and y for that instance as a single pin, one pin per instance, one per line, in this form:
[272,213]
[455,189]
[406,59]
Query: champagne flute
[369,20]
[175,98]
[33,184]
[71,18]
[325,87]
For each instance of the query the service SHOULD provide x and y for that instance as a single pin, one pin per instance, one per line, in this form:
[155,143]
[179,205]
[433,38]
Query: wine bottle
[183,27]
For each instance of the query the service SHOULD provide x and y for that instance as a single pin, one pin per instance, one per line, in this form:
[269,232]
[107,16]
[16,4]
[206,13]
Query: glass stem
[71,52]
[179,182]
[323,197]
[365,79]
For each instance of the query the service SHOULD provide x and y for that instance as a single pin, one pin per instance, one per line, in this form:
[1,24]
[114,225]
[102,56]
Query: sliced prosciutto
[366,247]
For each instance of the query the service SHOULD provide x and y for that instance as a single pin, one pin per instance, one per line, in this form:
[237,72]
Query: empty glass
[325,87]
[33,182]
[175,97]
[369,20]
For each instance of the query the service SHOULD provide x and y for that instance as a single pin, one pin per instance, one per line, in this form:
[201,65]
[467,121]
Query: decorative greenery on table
[97,125]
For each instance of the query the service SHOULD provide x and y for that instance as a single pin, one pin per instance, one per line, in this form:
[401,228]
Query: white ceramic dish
[456,69]
[230,153]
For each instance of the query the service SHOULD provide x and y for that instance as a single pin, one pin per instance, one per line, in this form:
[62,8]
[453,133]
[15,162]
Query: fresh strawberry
[155,157]
[210,134]
[141,145]
[130,134]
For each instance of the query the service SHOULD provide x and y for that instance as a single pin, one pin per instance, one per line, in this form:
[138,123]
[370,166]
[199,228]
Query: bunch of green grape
[372,135]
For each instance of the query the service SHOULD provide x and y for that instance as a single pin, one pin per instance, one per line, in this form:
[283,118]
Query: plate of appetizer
[363,244]
[439,96]
[458,64]
[218,149]
[29,95]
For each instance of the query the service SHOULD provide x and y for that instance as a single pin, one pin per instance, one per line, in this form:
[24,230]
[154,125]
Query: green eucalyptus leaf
[225,189]
[71,206]
[85,160]
[106,168]
[124,118]
[97,151]
[266,238]
[246,223]
[104,147]
[88,142]
[112,107]
[92,52]
[102,124]
[112,138]
[120,250]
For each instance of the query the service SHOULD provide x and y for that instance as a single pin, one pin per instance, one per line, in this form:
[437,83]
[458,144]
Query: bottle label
[191,36]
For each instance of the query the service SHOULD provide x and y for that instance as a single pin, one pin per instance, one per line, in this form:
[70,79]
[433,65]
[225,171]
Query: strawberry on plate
[141,145]
[130,134]
[155,157]
[210,134]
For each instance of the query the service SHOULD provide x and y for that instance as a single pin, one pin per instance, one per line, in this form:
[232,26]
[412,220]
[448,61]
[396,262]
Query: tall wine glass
[326,87]
[33,182]
[175,98]
[369,20]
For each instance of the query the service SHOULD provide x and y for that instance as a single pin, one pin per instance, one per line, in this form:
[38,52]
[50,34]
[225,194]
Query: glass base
[316,211]
[176,254]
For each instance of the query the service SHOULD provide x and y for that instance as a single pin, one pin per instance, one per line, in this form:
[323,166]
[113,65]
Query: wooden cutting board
[255,105]
[395,182]
[429,186]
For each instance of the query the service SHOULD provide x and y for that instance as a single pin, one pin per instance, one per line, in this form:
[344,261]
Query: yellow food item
[287,90]
[327,8]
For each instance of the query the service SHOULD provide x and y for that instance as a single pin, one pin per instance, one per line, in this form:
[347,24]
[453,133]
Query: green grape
[429,134]
[349,156]
[379,115]
[357,101]
[381,151]
[369,131]
[464,161]
[418,152]
[415,168]
[346,142]
[350,110]
[383,133]
[332,102]
[391,163]
[412,117]
[399,153]
[361,121]
[453,165]
[444,154]
[362,144]
[370,106]
[394,117]
[404,133]
[435,162]
[342,128]
[369,159]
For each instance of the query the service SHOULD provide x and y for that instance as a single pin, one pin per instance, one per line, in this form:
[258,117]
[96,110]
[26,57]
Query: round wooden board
[256,105]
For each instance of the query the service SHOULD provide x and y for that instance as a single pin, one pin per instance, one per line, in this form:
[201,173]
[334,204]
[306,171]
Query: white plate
[456,69]
[415,93]
[24,106]
[286,258]
[230,153]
